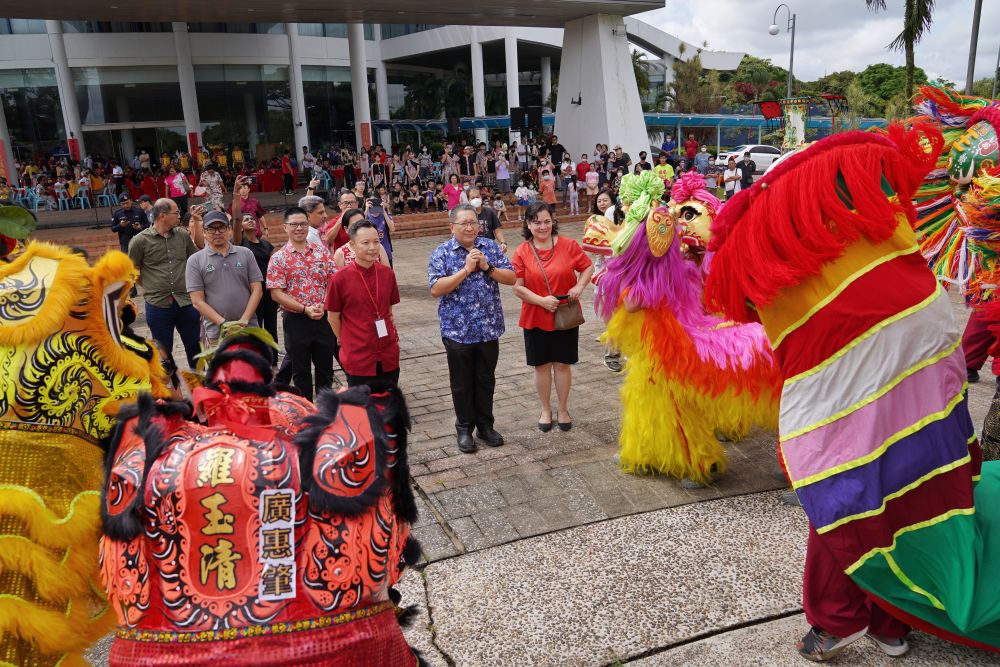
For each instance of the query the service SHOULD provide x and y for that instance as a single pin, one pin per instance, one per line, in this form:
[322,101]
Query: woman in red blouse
[568,270]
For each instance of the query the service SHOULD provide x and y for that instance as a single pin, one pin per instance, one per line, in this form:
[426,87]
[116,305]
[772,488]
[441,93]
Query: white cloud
[833,35]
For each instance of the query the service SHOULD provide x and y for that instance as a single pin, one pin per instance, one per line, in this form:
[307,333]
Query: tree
[916,21]
[693,91]
[834,84]
[884,82]
[982,87]
[859,105]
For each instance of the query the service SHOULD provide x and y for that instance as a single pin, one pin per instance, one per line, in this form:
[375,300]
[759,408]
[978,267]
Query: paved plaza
[542,552]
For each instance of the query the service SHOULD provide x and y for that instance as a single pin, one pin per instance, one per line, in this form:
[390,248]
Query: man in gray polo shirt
[223,279]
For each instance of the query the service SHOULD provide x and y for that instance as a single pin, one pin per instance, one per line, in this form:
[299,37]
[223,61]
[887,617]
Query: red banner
[5,168]
[74,148]
[366,135]
[193,143]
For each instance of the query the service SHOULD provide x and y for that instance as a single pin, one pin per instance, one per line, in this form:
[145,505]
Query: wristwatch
[490,268]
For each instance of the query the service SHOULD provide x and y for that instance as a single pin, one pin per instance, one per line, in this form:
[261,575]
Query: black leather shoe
[489,436]
[466,444]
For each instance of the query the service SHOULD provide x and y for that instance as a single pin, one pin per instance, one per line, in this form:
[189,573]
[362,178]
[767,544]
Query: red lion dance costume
[270,536]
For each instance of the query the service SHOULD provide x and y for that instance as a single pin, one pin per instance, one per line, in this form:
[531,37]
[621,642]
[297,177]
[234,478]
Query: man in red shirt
[297,277]
[333,232]
[287,174]
[691,148]
[359,303]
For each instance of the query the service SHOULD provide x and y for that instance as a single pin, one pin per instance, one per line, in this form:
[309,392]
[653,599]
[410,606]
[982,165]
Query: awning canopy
[652,120]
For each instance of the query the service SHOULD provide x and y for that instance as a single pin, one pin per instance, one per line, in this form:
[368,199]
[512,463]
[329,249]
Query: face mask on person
[547,177]
[521,183]
[476,202]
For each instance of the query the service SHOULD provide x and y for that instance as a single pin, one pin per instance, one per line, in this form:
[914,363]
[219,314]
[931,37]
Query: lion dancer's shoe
[271,536]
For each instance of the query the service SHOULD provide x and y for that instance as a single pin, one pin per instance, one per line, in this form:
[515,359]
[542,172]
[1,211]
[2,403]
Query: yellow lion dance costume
[63,371]
[690,373]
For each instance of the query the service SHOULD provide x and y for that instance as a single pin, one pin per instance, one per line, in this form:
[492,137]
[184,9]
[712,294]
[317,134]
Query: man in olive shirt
[160,253]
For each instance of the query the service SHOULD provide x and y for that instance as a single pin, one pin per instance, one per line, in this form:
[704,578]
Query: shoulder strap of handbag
[539,260]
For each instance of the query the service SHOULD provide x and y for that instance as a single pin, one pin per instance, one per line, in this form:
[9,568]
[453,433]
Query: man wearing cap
[621,160]
[160,253]
[224,280]
[127,221]
[146,204]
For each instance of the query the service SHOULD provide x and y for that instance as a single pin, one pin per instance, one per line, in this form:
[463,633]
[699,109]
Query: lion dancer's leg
[838,610]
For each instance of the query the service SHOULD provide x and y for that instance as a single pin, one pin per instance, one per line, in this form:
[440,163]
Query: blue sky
[833,35]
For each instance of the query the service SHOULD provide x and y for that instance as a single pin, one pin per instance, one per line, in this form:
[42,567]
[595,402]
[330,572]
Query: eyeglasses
[466,225]
[295,225]
[216,230]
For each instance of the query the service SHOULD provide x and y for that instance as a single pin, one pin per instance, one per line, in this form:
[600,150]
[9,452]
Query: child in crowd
[574,195]
[500,207]
[440,197]
[414,200]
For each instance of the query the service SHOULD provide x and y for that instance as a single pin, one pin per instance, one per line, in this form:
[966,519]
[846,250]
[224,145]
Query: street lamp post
[774,30]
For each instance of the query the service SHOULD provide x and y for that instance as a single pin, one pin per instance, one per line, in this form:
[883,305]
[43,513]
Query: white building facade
[118,87]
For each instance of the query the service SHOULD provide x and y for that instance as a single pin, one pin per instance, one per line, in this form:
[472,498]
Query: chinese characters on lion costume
[875,430]
[64,371]
[690,374]
[272,534]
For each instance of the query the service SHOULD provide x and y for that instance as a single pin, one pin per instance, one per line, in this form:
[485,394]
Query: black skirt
[545,347]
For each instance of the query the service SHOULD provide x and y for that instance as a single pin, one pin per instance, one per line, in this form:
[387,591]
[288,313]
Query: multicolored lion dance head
[958,204]
[689,373]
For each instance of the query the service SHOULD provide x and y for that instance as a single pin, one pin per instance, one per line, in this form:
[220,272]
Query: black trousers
[288,182]
[182,204]
[381,381]
[267,314]
[472,374]
[314,345]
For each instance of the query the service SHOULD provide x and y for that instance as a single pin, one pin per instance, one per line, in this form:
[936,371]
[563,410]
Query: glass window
[331,30]
[30,101]
[245,105]
[115,26]
[330,104]
[22,27]
[122,94]
[239,28]
[390,30]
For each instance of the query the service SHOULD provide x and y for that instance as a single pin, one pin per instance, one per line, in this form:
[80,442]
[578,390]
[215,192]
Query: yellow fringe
[81,523]
[55,580]
[55,632]
[670,428]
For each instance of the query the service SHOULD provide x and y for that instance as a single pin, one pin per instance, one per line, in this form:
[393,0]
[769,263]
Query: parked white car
[761,154]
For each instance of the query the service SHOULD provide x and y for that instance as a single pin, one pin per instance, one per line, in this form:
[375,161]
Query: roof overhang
[551,13]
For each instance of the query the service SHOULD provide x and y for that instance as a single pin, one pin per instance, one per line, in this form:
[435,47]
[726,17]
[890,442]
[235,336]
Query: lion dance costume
[875,431]
[959,223]
[271,535]
[689,373]
[64,369]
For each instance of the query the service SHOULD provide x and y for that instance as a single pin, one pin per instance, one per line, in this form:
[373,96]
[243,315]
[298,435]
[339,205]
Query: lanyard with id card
[381,328]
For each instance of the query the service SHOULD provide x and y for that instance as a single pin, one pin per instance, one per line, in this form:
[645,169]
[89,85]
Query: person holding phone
[248,205]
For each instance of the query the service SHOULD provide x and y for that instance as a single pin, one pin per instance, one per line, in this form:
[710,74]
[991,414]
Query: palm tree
[916,21]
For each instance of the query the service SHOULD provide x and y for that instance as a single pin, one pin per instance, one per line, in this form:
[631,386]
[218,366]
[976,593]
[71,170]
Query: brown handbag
[568,315]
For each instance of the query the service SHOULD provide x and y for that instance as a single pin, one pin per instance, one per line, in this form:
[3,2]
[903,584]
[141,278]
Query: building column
[478,82]
[300,130]
[359,85]
[546,80]
[128,142]
[513,80]
[382,94]
[250,110]
[598,97]
[64,82]
[7,169]
[189,95]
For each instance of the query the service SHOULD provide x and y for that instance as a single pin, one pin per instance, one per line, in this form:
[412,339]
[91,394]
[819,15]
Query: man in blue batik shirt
[465,272]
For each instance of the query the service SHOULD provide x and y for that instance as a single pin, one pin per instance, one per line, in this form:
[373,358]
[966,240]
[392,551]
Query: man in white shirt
[731,178]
